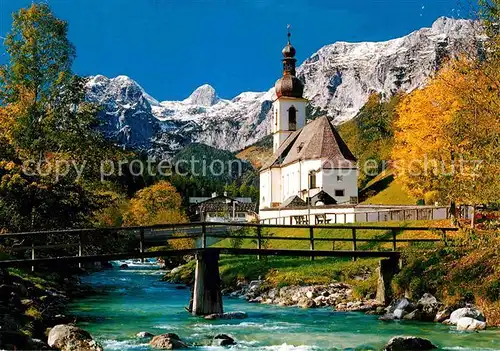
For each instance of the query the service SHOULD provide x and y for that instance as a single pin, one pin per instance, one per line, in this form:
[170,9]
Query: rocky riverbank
[30,304]
[337,295]
[340,297]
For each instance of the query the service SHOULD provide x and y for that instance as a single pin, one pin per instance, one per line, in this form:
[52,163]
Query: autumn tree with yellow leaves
[157,204]
[447,135]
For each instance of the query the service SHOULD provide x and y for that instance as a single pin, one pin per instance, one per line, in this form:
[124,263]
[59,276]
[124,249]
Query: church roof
[317,140]
[293,201]
[323,197]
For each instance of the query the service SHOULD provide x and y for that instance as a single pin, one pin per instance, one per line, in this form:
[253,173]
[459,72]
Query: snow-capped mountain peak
[203,96]
[338,80]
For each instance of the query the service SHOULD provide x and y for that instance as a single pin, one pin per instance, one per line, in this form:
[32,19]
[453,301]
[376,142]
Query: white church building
[311,166]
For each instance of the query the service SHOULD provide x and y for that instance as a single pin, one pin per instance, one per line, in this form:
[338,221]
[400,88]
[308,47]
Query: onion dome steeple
[289,51]
[289,85]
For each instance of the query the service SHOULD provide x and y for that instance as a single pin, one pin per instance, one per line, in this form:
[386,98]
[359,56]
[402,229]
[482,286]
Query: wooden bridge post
[394,243]
[141,243]
[203,235]
[80,249]
[445,241]
[33,253]
[259,240]
[311,240]
[207,296]
[354,244]
[386,271]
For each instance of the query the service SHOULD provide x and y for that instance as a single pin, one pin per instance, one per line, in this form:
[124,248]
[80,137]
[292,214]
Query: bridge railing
[262,234]
[80,245]
[361,215]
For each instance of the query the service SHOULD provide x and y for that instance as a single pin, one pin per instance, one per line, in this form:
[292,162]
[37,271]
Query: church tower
[289,109]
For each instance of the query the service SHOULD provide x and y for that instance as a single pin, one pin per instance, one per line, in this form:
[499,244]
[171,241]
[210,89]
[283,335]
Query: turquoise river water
[135,300]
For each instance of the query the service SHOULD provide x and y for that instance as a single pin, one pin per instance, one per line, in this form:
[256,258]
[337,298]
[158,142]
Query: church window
[340,178]
[339,192]
[312,180]
[292,118]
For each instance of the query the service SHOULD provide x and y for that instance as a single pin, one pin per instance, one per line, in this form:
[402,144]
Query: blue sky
[171,47]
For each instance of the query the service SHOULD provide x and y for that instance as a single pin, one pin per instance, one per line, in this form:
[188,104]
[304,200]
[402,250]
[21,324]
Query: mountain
[338,79]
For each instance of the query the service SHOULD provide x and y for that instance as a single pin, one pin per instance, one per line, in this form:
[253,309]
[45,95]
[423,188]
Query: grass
[385,190]
[394,194]
[335,233]
[39,280]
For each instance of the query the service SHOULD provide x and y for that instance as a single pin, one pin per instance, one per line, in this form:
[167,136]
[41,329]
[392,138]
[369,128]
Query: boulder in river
[306,303]
[471,312]
[67,337]
[144,335]
[168,341]
[413,316]
[429,306]
[124,266]
[400,304]
[443,314]
[399,313]
[408,343]
[470,324]
[223,340]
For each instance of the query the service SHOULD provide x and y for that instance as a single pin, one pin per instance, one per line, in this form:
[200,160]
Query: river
[135,300]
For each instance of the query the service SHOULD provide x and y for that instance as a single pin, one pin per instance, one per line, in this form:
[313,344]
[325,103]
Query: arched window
[292,118]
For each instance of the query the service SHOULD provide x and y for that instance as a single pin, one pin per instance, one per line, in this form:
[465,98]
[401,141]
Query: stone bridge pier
[207,296]
[388,268]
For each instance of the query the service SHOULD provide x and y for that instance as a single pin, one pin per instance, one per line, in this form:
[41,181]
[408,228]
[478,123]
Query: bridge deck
[79,245]
[227,251]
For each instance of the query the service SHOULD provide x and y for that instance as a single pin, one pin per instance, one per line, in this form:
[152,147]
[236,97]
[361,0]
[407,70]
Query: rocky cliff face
[340,77]
[338,81]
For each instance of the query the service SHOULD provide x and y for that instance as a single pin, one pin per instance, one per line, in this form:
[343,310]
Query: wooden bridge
[208,240]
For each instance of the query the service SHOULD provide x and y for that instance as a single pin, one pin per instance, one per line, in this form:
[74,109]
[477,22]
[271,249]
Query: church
[311,165]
